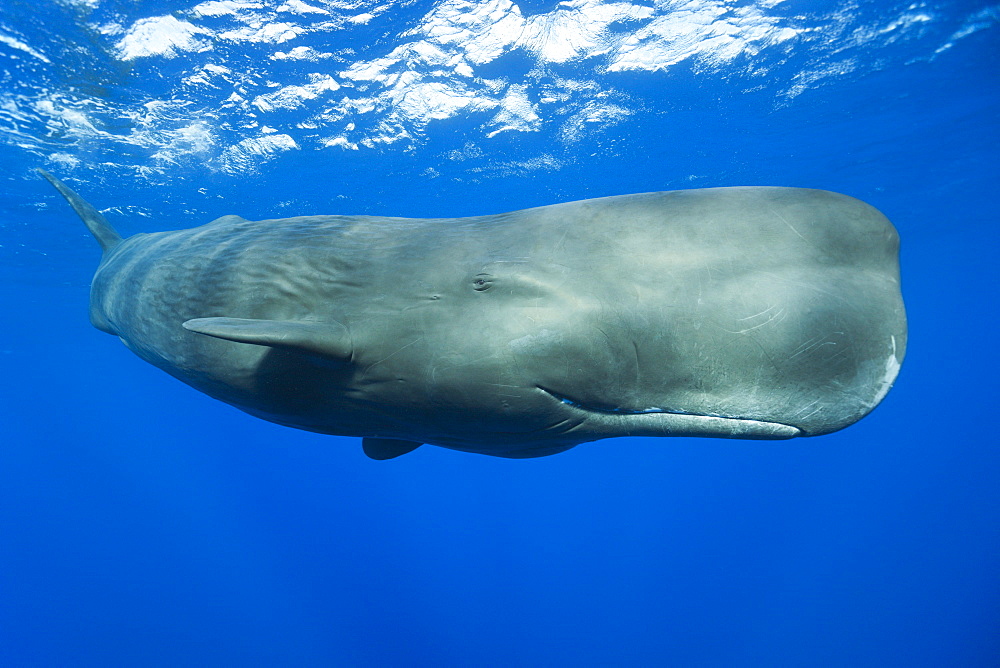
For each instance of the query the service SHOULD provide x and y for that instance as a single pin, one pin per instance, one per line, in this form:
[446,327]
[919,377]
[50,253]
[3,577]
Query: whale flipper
[387,448]
[98,225]
[329,340]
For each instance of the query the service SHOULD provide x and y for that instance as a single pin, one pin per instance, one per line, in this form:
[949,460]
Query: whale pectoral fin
[387,448]
[329,340]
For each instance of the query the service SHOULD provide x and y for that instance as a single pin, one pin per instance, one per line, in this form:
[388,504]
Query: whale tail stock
[98,225]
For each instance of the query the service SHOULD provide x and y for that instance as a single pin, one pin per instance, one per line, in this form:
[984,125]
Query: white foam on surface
[301,53]
[708,32]
[15,43]
[299,7]
[275,33]
[225,7]
[988,17]
[594,114]
[290,97]
[517,113]
[245,155]
[164,36]
[297,66]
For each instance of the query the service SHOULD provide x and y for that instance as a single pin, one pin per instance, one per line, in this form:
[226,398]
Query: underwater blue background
[144,524]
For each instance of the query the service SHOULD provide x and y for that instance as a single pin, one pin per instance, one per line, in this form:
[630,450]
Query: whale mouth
[619,411]
[681,422]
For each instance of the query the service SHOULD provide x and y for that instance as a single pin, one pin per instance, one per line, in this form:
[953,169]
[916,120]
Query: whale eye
[482,282]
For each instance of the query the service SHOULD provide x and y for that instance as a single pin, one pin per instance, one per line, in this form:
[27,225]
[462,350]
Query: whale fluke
[98,225]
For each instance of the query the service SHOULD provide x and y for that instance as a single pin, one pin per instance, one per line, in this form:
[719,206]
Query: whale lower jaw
[666,422]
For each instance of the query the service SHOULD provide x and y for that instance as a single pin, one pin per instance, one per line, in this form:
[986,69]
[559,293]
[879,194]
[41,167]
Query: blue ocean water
[144,524]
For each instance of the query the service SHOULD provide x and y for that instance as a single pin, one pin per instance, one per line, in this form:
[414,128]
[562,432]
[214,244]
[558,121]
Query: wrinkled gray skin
[750,312]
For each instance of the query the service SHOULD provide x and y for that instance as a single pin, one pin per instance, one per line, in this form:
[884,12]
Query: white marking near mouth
[891,371]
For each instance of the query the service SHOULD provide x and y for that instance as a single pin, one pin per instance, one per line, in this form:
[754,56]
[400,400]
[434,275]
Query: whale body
[744,312]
